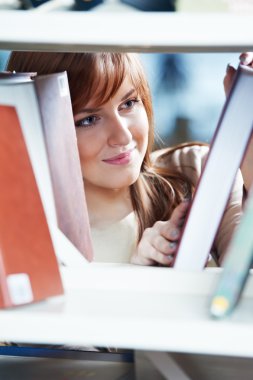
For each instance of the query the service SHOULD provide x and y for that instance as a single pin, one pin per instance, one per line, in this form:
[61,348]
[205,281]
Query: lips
[119,159]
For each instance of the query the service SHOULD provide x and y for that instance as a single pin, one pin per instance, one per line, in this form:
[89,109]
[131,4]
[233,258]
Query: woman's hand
[247,164]
[245,59]
[158,244]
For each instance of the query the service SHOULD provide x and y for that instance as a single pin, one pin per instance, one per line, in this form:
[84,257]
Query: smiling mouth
[120,159]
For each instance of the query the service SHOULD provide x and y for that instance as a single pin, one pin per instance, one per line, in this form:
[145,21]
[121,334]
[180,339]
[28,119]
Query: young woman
[137,200]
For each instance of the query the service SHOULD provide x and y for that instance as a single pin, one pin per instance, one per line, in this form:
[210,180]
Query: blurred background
[187,91]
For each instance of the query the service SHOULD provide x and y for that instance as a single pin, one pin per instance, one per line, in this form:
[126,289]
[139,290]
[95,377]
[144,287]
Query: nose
[120,134]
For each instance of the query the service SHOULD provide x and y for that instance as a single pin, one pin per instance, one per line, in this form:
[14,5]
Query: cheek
[141,130]
[88,147]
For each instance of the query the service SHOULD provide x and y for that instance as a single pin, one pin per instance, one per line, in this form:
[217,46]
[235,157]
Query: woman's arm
[247,164]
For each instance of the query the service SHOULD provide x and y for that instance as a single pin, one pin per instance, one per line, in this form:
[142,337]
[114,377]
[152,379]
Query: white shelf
[134,31]
[135,307]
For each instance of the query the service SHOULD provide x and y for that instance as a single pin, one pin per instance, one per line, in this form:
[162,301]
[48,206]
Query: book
[49,132]
[236,265]
[9,76]
[213,189]
[84,5]
[27,4]
[28,266]
[63,158]
[152,6]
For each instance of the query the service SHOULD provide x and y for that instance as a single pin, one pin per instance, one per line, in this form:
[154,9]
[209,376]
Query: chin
[125,181]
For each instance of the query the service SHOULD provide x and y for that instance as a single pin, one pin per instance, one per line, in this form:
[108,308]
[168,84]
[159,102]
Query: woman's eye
[87,121]
[129,103]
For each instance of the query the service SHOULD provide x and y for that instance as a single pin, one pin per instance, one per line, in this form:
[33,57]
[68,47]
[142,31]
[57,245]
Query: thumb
[179,214]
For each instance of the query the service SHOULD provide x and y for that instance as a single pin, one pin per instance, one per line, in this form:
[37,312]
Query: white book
[215,184]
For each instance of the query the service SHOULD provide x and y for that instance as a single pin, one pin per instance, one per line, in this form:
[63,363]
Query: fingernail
[175,233]
[169,257]
[172,244]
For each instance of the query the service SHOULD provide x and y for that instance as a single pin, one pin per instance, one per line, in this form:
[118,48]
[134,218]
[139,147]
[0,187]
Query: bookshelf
[102,306]
[160,32]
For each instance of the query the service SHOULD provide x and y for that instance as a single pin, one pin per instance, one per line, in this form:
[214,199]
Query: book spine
[5,300]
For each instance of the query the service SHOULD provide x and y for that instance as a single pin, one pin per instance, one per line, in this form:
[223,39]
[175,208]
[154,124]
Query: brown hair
[158,190]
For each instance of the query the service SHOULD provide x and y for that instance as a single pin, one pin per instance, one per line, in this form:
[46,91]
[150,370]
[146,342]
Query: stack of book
[43,214]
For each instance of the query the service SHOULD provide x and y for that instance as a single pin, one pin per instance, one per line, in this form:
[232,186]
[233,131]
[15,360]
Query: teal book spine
[237,263]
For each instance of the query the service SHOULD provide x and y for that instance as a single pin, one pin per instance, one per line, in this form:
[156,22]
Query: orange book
[28,266]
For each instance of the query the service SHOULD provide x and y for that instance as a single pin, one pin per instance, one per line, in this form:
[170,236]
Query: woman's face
[112,139]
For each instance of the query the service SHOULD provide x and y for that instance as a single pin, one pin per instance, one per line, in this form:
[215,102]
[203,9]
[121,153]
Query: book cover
[24,96]
[28,266]
[214,186]
[64,163]
[236,265]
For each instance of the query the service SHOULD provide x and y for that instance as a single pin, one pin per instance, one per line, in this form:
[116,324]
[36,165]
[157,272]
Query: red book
[28,266]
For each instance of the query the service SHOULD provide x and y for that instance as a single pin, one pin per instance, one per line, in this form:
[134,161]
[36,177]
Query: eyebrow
[94,110]
[128,94]
[89,110]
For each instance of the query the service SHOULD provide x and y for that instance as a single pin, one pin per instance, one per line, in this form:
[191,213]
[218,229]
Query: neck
[107,206]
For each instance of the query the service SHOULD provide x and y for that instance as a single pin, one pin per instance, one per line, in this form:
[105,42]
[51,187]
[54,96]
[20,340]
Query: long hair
[158,190]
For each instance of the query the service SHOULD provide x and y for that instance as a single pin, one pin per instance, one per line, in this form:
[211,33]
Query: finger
[153,257]
[165,229]
[160,258]
[163,245]
[179,214]
[145,253]
[171,229]
[140,259]
[173,233]
[246,58]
